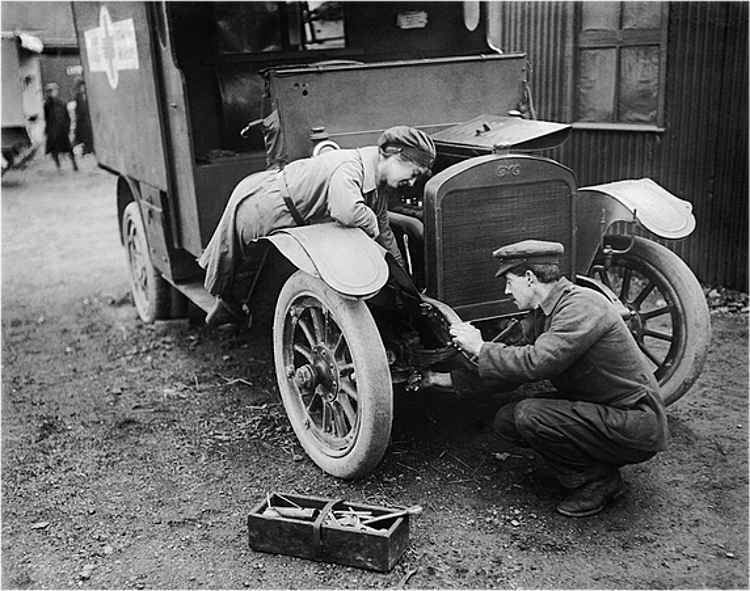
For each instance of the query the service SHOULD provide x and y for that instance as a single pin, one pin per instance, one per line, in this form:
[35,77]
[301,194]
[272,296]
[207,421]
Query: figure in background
[57,126]
[83,135]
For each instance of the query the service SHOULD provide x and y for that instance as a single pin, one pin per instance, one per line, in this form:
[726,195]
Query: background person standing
[57,126]
[83,134]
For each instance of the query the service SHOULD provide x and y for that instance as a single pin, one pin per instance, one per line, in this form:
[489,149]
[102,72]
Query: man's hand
[429,379]
[467,338]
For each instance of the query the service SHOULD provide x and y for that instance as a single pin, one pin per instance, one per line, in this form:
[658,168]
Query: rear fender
[127,191]
[345,258]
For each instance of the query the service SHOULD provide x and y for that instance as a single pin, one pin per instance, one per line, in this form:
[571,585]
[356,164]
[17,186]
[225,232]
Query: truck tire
[333,376]
[150,290]
[670,318]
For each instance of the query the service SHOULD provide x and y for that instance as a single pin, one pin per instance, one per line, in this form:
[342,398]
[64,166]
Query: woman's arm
[346,203]
[387,238]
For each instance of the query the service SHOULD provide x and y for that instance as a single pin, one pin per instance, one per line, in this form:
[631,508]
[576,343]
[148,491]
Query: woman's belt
[288,199]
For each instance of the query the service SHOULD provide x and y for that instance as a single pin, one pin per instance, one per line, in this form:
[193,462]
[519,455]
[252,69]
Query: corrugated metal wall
[540,29]
[702,156]
[726,216]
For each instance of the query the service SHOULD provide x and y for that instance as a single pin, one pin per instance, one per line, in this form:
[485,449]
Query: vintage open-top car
[185,103]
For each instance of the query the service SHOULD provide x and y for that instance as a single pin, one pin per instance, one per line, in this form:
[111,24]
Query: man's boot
[592,497]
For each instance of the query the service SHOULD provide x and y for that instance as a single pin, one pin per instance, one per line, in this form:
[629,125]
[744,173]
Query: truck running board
[197,294]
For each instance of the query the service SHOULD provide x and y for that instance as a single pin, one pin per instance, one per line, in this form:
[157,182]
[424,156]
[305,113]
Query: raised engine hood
[488,134]
[352,103]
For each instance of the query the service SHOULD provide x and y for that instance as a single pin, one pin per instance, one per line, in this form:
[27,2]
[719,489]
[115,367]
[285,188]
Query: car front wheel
[669,316]
[333,376]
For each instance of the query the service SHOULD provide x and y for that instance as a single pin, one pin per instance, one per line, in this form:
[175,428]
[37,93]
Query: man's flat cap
[533,252]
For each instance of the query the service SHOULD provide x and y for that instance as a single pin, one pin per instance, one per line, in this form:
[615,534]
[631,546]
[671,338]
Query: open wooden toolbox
[329,530]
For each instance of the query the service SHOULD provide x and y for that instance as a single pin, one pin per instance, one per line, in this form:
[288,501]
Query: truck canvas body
[189,98]
[21,97]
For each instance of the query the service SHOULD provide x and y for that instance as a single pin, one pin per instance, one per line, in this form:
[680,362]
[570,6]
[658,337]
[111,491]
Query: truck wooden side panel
[12,103]
[117,56]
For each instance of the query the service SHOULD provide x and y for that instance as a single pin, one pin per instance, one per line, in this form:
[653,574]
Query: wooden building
[653,89]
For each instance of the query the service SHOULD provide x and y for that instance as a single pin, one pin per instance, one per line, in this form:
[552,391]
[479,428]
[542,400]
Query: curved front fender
[345,258]
[656,208]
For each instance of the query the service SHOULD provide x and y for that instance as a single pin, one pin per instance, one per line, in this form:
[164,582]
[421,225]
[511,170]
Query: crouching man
[607,411]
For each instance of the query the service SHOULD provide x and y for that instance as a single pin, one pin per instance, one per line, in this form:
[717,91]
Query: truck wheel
[670,318]
[150,290]
[333,376]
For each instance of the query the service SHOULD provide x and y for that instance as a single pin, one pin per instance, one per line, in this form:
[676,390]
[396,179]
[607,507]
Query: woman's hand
[467,338]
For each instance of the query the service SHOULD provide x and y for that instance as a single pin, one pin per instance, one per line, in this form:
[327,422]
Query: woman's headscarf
[414,144]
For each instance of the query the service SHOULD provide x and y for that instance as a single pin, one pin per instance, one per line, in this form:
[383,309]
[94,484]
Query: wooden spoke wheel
[669,314]
[333,376]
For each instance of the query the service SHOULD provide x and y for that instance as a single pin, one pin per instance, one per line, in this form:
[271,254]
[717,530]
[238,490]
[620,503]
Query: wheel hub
[322,371]
[306,377]
[635,324]
[137,265]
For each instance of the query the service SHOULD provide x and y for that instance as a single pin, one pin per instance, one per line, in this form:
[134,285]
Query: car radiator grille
[476,221]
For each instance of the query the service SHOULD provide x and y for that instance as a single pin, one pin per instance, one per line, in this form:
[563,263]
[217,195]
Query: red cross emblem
[111,47]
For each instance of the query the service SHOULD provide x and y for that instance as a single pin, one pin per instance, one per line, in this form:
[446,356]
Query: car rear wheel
[150,290]
[669,314]
[333,376]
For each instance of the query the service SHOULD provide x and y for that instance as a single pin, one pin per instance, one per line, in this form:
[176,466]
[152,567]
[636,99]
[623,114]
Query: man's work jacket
[578,341]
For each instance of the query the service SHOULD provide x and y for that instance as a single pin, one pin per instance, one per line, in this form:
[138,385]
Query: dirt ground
[132,454]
